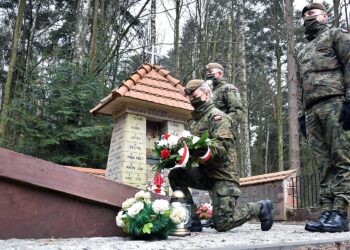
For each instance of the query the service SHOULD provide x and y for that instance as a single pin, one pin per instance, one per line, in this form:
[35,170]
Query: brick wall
[273,191]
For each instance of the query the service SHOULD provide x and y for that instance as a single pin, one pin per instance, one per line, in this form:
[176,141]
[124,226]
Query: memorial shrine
[146,105]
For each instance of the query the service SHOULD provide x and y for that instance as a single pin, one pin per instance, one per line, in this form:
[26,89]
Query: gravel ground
[246,236]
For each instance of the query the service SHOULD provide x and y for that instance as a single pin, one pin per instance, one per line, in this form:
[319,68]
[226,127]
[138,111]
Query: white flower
[160,206]
[186,133]
[195,139]
[178,215]
[119,219]
[126,204]
[142,195]
[181,151]
[162,143]
[172,140]
[135,209]
[176,204]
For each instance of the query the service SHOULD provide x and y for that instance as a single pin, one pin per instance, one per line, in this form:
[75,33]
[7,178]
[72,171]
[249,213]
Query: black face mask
[212,78]
[312,27]
[209,76]
[197,102]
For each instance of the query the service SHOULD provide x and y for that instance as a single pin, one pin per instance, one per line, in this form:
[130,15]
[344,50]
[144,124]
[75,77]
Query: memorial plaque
[132,142]
[174,128]
[132,167]
[127,154]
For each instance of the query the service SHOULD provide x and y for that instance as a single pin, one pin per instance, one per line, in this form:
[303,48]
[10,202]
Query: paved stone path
[248,236]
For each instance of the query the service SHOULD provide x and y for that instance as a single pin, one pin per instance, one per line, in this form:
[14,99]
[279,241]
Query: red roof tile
[93,171]
[246,181]
[150,83]
[258,179]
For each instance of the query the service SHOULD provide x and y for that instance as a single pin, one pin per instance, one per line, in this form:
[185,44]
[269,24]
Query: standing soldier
[324,113]
[225,96]
[217,174]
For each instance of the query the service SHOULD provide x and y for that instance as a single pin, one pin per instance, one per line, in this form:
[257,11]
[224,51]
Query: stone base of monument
[40,199]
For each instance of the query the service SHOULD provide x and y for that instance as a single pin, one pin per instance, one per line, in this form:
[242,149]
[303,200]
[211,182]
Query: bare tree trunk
[81,29]
[199,37]
[93,40]
[259,144]
[153,29]
[346,14]
[294,150]
[178,7]
[336,13]
[230,65]
[2,63]
[267,145]
[279,88]
[9,82]
[246,164]
[30,42]
[203,37]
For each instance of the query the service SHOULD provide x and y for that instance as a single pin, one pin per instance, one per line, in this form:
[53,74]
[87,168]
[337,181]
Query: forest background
[58,58]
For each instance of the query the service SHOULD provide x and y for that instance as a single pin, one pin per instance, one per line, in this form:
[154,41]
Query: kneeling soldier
[219,173]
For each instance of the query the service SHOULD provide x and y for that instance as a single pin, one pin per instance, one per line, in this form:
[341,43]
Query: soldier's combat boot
[337,222]
[316,226]
[266,217]
[196,225]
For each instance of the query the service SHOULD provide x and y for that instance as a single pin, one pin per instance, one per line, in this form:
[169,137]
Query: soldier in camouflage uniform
[225,96]
[324,113]
[217,174]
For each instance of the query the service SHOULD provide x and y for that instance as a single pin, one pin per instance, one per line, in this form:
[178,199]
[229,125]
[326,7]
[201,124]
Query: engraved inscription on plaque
[127,154]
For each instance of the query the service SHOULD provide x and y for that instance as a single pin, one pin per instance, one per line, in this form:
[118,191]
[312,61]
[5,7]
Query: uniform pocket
[228,190]
[227,196]
[325,58]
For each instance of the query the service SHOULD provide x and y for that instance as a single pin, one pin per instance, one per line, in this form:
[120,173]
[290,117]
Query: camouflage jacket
[227,98]
[324,68]
[222,166]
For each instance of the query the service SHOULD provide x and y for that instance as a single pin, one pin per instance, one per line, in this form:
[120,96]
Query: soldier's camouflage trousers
[331,147]
[224,195]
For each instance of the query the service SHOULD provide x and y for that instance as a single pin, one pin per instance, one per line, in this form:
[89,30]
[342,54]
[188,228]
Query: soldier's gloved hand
[344,118]
[302,126]
[199,152]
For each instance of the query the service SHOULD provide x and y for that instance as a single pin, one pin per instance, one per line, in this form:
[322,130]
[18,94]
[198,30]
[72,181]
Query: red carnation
[166,136]
[165,153]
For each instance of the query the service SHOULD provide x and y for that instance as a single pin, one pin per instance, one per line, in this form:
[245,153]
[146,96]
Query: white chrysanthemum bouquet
[142,219]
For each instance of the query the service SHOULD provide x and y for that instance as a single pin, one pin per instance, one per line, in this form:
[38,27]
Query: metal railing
[305,190]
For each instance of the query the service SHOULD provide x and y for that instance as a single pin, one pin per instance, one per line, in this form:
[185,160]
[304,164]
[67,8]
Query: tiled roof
[93,171]
[258,179]
[150,83]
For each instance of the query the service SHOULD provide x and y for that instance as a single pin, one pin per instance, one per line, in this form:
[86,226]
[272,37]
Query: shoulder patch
[344,30]
[217,118]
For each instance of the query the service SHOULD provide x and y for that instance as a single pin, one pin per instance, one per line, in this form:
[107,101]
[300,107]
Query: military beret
[192,85]
[312,6]
[214,66]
